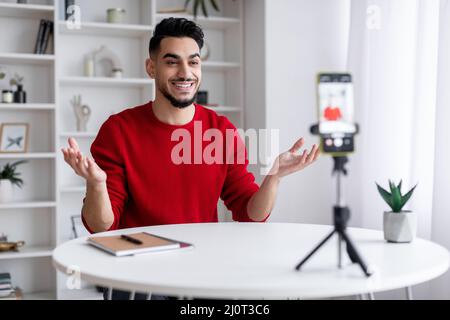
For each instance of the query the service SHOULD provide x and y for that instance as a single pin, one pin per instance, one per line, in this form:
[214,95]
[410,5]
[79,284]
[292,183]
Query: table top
[256,260]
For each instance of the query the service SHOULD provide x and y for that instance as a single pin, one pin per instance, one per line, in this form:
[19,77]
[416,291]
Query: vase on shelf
[20,96]
[6,191]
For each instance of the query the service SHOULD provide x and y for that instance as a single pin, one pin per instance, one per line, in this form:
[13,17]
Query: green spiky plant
[202,4]
[9,173]
[395,199]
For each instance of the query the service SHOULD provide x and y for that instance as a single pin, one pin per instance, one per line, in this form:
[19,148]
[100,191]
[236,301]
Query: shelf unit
[28,252]
[106,29]
[75,188]
[105,82]
[26,58]
[27,106]
[35,155]
[27,205]
[50,113]
[20,10]
[77,134]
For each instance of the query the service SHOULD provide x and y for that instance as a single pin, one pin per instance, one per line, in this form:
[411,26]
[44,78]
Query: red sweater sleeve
[107,151]
[239,185]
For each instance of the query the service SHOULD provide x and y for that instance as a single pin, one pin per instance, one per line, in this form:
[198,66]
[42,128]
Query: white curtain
[399,53]
[441,201]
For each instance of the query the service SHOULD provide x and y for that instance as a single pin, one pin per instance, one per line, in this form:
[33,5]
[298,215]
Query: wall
[300,38]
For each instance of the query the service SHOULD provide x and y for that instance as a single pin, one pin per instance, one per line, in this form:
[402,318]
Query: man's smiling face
[176,68]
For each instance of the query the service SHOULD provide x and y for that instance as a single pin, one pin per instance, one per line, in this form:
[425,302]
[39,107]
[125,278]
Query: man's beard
[178,103]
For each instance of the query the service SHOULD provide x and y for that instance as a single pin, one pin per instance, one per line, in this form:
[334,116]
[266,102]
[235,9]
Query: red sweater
[147,188]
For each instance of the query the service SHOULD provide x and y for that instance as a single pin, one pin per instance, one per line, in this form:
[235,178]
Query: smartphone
[336,112]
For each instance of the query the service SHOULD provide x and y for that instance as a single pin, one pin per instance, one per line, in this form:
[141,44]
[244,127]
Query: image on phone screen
[335,94]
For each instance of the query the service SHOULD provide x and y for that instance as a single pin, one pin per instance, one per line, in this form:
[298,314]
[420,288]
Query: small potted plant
[398,225]
[8,178]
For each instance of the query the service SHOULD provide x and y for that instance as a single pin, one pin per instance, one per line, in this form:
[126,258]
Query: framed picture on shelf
[14,137]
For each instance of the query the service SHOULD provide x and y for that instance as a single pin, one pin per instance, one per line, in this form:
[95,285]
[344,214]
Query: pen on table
[131,239]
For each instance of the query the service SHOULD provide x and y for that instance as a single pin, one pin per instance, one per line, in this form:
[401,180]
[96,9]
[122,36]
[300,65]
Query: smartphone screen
[335,100]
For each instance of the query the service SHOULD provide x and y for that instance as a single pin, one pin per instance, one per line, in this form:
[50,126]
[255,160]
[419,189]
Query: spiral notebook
[136,243]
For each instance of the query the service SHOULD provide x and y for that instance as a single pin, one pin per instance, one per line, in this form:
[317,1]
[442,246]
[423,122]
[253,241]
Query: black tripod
[341,216]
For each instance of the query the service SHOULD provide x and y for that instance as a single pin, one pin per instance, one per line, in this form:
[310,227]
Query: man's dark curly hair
[175,27]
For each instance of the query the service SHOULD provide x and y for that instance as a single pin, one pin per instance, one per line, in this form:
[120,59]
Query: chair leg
[409,295]
[110,290]
[371,296]
[132,294]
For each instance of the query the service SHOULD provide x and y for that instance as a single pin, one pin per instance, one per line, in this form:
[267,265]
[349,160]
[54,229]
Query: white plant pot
[399,226]
[6,191]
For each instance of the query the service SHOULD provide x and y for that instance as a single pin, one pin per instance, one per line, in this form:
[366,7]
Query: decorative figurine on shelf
[82,112]
[102,57]
[20,96]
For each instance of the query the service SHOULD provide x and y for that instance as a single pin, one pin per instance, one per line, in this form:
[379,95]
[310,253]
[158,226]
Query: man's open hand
[290,162]
[83,166]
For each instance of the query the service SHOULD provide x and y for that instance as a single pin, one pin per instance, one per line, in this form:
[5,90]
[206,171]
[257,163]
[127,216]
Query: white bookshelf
[76,134]
[219,65]
[74,188]
[106,29]
[52,192]
[225,109]
[27,106]
[28,205]
[105,82]
[26,58]
[29,11]
[35,155]
[43,295]
[28,252]
[211,22]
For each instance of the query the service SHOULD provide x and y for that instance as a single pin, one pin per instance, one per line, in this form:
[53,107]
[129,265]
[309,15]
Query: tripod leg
[339,251]
[314,250]
[354,255]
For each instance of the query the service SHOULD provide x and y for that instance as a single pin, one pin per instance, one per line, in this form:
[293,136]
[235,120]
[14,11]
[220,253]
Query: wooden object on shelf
[11,246]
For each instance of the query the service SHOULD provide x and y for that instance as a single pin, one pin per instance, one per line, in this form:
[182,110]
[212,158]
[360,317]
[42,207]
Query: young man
[137,178]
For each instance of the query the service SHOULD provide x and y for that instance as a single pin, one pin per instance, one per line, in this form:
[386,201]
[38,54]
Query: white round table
[254,261]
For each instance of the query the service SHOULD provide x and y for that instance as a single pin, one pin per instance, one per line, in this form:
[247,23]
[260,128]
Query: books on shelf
[5,285]
[43,36]
[7,291]
[136,243]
